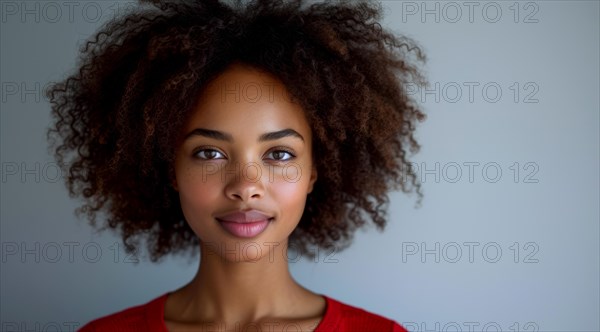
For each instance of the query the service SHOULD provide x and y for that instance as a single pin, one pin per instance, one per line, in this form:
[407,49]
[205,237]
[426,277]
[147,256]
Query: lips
[243,217]
[244,224]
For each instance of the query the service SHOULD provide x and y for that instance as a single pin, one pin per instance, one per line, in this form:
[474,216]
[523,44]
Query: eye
[208,154]
[281,155]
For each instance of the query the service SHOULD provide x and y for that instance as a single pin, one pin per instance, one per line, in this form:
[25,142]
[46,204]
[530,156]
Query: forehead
[243,98]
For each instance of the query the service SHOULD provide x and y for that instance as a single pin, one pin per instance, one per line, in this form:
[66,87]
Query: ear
[313,178]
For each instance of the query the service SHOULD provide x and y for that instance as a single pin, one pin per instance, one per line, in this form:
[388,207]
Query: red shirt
[150,317]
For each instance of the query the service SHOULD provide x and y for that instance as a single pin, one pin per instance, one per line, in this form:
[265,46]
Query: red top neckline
[156,313]
[150,317]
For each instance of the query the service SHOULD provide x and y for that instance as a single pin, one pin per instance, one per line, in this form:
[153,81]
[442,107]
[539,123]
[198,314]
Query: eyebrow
[221,136]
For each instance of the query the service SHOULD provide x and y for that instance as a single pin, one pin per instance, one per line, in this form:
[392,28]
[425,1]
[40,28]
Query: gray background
[514,244]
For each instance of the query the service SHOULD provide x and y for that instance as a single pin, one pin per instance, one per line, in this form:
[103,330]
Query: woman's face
[243,167]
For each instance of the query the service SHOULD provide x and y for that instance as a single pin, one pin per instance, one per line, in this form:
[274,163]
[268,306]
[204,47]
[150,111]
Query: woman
[245,131]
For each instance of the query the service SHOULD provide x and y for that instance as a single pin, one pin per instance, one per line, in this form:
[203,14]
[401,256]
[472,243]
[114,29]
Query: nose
[244,182]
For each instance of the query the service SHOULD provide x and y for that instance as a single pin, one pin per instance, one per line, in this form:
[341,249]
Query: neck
[236,286]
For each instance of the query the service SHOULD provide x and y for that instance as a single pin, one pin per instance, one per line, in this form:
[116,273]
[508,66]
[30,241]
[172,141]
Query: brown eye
[208,154]
[281,155]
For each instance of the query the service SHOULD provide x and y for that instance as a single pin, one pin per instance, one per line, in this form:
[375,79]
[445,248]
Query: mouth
[242,217]
[245,224]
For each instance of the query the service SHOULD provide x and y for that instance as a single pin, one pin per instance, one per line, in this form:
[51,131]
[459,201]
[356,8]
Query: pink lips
[245,224]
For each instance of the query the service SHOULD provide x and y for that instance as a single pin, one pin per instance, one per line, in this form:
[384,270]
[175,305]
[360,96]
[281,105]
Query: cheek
[289,191]
[197,194]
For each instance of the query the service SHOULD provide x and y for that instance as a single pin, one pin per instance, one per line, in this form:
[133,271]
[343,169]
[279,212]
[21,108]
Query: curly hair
[116,119]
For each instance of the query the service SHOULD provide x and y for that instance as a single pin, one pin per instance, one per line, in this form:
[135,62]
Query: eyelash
[277,149]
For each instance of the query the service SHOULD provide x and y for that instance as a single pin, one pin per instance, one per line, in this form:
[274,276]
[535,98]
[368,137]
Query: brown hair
[116,120]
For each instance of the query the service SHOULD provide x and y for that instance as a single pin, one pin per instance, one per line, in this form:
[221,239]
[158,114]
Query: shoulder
[143,317]
[340,316]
